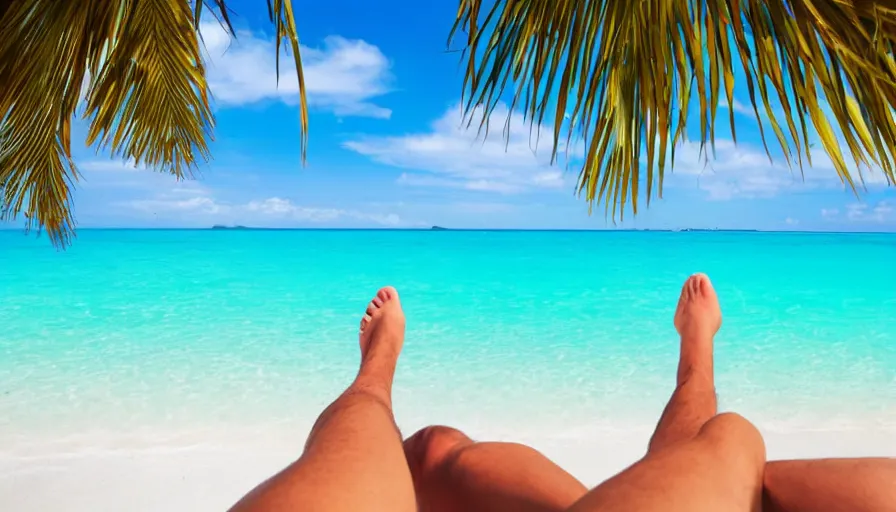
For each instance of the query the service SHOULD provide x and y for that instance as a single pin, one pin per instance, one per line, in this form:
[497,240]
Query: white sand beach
[208,470]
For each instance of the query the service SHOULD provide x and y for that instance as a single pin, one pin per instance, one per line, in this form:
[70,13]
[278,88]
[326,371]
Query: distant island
[439,228]
[218,226]
[712,229]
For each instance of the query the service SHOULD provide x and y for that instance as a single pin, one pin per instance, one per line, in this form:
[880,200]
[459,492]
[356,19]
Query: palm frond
[625,72]
[38,95]
[149,100]
[147,97]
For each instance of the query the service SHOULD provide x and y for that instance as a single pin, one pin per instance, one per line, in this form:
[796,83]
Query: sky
[387,148]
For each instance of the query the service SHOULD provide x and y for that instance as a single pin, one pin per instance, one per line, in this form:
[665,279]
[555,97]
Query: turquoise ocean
[511,334]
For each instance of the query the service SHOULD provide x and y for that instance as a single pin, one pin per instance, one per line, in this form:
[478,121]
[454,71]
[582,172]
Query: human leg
[718,469]
[697,460]
[452,473]
[353,459]
[697,318]
[830,485]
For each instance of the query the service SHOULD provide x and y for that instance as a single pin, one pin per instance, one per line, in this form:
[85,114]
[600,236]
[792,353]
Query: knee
[732,435]
[432,446]
[729,425]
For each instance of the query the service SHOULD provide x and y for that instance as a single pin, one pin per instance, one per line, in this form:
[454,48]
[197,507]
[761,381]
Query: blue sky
[387,149]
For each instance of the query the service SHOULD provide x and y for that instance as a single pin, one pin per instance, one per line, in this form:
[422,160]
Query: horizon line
[441,229]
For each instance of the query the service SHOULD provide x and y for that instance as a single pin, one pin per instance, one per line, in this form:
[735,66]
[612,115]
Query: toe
[696,282]
[387,293]
[382,296]
[705,285]
[687,289]
[696,285]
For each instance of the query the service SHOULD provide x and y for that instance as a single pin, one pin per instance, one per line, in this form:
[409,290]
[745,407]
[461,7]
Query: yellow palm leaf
[626,66]
[147,97]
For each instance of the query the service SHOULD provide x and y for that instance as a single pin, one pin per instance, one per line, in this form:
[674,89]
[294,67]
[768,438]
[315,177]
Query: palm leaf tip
[627,71]
[283,18]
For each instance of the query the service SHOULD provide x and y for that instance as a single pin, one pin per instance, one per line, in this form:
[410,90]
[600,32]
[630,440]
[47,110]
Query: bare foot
[698,314]
[697,319]
[382,327]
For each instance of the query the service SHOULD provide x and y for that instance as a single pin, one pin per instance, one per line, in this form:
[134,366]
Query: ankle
[697,338]
[694,374]
[696,356]
[375,384]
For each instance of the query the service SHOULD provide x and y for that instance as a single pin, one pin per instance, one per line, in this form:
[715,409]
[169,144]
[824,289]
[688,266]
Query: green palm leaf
[624,72]
[147,97]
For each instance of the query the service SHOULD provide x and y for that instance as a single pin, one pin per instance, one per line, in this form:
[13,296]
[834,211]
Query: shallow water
[136,339]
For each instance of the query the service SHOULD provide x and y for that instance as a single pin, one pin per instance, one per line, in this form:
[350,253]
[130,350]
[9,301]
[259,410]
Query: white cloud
[454,156]
[389,219]
[856,211]
[285,209]
[198,204]
[483,207]
[745,171]
[871,176]
[863,212]
[483,185]
[344,75]
[120,190]
[791,221]
[736,171]
[109,166]
[884,211]
[449,155]
[272,211]
[124,175]
[749,174]
[740,108]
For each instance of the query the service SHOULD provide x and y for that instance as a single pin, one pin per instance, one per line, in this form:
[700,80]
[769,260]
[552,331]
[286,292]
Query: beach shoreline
[209,470]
